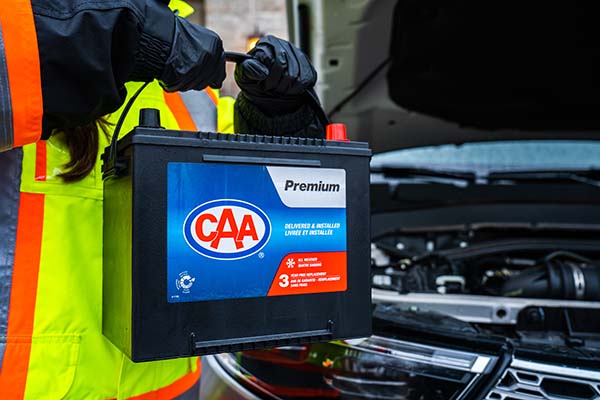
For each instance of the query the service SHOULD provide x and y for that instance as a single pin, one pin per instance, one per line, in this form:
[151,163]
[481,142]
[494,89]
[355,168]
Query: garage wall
[235,20]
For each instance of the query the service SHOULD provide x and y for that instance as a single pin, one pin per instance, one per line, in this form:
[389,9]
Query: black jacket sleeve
[248,118]
[89,49]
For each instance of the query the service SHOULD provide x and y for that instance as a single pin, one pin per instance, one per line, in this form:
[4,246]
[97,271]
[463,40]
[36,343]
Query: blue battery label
[238,231]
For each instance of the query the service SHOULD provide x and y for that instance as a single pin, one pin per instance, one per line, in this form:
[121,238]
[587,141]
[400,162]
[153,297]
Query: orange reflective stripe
[213,96]
[13,375]
[40,161]
[175,389]
[180,111]
[23,64]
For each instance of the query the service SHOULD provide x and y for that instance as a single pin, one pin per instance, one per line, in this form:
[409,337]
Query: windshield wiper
[410,172]
[588,176]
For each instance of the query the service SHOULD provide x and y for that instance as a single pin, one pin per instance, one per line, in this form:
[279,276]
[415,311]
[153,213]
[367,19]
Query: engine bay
[489,262]
[539,287]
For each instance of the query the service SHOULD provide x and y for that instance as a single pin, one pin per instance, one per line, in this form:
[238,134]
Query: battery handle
[112,166]
[198,348]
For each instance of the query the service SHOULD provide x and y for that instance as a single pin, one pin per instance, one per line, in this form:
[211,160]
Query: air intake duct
[556,279]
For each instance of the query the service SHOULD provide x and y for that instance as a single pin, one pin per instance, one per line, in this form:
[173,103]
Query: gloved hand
[197,59]
[277,77]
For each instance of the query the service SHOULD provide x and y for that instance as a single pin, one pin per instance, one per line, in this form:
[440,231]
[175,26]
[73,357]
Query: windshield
[484,157]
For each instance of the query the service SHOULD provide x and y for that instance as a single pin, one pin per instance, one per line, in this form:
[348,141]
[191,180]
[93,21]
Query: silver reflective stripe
[202,109]
[6,121]
[10,182]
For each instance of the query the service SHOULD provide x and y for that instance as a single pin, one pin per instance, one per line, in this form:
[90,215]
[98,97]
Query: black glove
[89,49]
[197,59]
[277,77]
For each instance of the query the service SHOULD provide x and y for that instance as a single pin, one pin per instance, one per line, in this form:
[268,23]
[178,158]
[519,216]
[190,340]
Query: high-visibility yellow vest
[51,342]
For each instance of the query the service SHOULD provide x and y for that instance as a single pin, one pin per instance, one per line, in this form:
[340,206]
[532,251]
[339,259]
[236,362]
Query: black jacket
[89,49]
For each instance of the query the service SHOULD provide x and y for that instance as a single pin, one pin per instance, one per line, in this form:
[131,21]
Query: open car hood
[409,73]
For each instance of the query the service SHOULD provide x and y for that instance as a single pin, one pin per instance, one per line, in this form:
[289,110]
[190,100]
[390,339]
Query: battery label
[238,231]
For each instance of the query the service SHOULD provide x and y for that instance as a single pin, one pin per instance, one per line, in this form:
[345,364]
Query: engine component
[450,284]
[563,276]
[485,265]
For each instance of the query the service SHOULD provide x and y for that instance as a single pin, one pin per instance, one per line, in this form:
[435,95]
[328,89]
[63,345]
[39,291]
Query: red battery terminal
[337,132]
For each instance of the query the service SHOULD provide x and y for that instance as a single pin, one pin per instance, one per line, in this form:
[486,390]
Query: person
[51,190]
[64,63]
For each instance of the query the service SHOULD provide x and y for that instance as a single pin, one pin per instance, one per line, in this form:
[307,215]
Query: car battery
[224,242]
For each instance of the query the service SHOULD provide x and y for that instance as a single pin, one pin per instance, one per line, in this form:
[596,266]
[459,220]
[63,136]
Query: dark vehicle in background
[485,202]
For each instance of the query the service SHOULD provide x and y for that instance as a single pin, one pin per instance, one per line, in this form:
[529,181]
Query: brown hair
[83,142]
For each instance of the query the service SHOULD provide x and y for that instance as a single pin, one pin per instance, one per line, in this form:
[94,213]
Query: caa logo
[227,229]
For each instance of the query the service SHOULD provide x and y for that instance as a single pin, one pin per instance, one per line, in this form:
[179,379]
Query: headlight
[376,367]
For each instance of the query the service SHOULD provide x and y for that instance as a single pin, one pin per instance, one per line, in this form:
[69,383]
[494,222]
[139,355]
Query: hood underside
[410,73]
